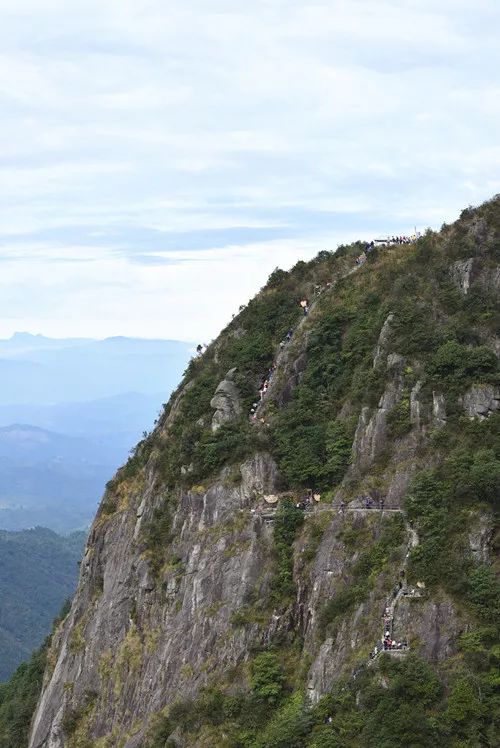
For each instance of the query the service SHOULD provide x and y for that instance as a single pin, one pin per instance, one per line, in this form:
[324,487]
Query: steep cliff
[212,611]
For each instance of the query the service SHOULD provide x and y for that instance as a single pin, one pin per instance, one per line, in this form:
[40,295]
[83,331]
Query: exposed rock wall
[226,402]
[138,644]
[137,637]
[481,400]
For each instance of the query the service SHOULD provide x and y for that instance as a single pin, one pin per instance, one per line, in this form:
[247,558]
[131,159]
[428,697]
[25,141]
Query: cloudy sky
[160,157]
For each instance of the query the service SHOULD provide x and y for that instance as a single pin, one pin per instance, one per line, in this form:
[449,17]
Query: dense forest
[38,571]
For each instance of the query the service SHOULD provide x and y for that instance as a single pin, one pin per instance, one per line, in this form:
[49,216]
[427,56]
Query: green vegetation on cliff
[442,334]
[38,571]
[387,389]
[19,696]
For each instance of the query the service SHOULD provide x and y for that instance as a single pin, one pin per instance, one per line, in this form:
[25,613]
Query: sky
[160,158]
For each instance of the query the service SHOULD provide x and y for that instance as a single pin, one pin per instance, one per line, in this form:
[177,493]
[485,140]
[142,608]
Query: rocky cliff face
[180,582]
[134,641]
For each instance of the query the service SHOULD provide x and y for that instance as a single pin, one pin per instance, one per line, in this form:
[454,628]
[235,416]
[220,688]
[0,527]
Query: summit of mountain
[304,550]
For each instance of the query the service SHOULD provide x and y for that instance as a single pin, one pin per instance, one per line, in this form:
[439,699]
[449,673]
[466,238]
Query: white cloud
[191,116]
[188,295]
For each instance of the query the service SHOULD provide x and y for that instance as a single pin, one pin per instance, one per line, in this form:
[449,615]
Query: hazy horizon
[20,333]
[159,161]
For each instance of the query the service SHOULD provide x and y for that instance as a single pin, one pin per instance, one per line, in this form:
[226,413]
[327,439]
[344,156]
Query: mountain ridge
[206,617]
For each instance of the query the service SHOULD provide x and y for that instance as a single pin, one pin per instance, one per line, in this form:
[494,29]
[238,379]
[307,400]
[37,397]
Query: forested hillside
[18,697]
[304,552]
[38,571]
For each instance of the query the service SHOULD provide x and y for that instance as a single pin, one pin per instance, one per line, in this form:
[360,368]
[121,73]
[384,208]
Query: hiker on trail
[305,306]
[199,349]
[342,507]
[382,502]
[289,334]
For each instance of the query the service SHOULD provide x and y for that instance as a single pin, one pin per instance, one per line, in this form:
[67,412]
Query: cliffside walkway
[389,644]
[308,308]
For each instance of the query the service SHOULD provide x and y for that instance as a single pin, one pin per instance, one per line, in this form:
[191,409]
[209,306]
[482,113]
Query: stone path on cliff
[390,644]
[308,307]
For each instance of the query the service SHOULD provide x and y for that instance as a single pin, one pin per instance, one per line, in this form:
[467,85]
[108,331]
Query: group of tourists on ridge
[370,246]
[401,239]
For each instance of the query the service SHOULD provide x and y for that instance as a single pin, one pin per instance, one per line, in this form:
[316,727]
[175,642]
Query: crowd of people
[266,380]
[308,501]
[391,240]
[376,502]
[388,642]
[264,385]
[399,239]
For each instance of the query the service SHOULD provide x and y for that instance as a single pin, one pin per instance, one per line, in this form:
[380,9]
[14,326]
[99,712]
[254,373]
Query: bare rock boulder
[481,400]
[461,274]
[226,402]
[438,410]
[383,342]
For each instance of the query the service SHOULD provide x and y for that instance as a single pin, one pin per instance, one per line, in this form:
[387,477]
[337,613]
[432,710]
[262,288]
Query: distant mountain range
[35,369]
[119,417]
[51,479]
[70,410]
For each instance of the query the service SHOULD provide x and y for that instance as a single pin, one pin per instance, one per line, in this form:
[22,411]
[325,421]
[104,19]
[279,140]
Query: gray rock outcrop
[480,533]
[438,410]
[466,273]
[490,280]
[370,438]
[382,348]
[140,641]
[461,274]
[226,402]
[481,400]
